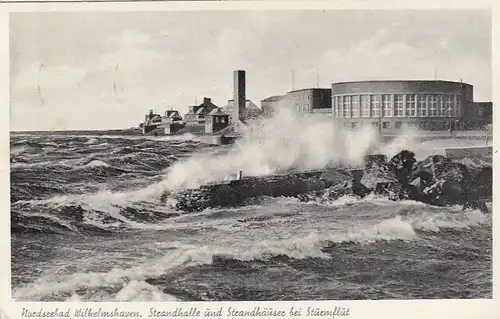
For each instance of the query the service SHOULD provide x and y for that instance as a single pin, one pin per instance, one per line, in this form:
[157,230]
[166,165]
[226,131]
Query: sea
[88,223]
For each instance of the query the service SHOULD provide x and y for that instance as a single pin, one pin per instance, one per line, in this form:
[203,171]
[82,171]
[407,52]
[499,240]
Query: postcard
[248,159]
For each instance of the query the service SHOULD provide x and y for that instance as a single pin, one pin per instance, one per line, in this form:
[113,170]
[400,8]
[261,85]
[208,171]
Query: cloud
[83,95]
[180,56]
[383,56]
[131,39]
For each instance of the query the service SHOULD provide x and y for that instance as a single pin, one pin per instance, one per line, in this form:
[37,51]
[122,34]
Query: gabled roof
[207,103]
[217,111]
[249,105]
[273,98]
[200,110]
[171,113]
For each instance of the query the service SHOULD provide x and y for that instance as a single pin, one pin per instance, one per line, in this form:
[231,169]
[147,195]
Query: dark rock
[483,182]
[338,191]
[395,191]
[402,166]
[333,177]
[377,159]
[392,179]
[376,174]
[436,180]
[451,182]
[345,183]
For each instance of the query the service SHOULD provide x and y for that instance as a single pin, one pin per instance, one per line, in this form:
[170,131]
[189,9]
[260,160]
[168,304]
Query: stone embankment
[436,180]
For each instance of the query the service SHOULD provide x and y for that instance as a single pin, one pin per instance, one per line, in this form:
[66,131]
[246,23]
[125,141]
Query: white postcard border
[359,309]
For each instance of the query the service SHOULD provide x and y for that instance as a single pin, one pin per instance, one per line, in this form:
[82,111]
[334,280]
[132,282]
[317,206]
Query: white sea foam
[52,217]
[134,291]
[434,221]
[19,165]
[16,150]
[128,283]
[104,201]
[96,163]
[91,140]
[287,140]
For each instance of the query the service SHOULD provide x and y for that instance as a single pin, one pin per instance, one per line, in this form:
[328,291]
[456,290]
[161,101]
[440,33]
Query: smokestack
[239,95]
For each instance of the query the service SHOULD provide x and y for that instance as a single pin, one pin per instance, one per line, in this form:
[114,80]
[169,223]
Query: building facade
[216,121]
[249,112]
[305,101]
[393,105]
[270,104]
[197,113]
[173,116]
[478,116]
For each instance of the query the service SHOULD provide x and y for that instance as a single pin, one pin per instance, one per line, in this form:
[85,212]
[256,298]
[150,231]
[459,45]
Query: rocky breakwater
[437,180]
[236,192]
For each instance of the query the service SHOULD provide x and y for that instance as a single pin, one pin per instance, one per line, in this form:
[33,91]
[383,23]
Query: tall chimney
[239,95]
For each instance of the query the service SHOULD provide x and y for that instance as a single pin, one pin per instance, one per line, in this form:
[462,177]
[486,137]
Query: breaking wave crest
[130,284]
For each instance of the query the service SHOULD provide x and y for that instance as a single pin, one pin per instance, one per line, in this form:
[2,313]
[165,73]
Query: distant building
[216,121]
[478,116]
[305,101]
[392,105]
[155,124]
[268,105]
[323,112]
[197,113]
[152,124]
[173,116]
[249,112]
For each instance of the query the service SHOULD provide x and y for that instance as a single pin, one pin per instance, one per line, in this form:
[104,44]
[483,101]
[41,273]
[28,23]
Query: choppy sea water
[87,224]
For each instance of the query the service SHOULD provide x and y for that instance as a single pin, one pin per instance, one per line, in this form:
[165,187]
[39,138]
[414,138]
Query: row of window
[303,108]
[398,125]
[397,105]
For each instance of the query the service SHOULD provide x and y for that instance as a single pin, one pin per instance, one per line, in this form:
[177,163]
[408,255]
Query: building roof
[207,102]
[171,113]
[249,105]
[200,110]
[398,81]
[217,111]
[310,89]
[273,98]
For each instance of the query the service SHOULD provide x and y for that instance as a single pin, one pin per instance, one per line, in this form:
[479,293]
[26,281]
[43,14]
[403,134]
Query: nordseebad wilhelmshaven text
[79,313]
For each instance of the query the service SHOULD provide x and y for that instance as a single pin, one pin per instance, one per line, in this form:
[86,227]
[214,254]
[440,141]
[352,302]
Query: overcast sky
[173,58]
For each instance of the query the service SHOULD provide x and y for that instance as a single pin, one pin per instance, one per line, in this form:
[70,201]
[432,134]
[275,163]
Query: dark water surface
[88,224]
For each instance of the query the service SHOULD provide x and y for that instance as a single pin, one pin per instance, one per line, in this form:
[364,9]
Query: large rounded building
[393,105]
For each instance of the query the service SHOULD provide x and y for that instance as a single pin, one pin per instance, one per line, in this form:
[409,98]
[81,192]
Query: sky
[163,60]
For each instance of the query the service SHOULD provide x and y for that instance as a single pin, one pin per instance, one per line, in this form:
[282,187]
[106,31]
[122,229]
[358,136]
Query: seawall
[235,192]
[210,139]
[461,152]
